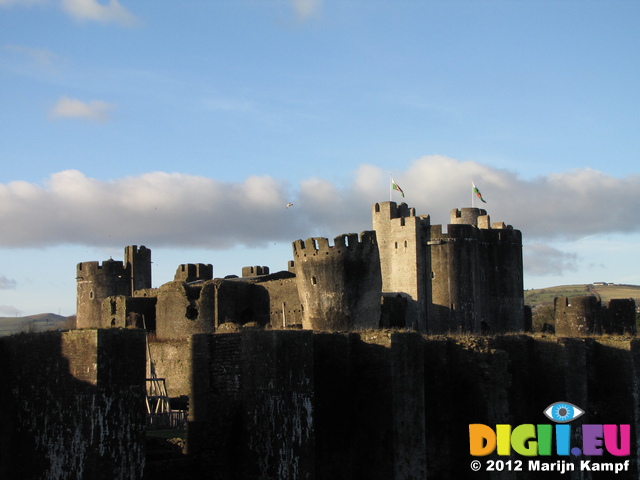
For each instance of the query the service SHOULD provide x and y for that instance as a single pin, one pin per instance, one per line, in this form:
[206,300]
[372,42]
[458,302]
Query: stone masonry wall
[294,404]
[395,405]
[72,405]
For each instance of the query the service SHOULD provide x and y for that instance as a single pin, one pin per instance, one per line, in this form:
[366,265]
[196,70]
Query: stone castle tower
[476,275]
[96,282]
[467,279]
[406,273]
[339,286]
[404,259]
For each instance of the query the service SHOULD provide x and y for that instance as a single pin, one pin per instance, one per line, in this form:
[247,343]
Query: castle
[404,273]
[341,381]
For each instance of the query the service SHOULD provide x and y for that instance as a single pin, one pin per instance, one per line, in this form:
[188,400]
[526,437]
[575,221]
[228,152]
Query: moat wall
[72,405]
[391,404]
[296,404]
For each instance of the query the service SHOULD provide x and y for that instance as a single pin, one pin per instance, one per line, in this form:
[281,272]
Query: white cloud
[162,209]
[93,10]
[95,110]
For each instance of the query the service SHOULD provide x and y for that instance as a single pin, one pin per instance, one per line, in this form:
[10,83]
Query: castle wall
[72,405]
[252,413]
[297,404]
[404,263]
[184,310]
[620,317]
[285,308]
[122,311]
[396,405]
[340,285]
[173,362]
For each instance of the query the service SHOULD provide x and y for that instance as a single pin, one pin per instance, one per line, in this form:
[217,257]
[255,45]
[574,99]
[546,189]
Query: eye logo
[563,412]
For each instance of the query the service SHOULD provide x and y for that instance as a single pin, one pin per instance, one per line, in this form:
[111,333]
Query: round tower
[466,216]
[340,286]
[457,282]
[503,271]
[577,316]
[95,282]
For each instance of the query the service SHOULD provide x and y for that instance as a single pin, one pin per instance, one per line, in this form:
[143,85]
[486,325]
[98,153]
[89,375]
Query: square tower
[404,263]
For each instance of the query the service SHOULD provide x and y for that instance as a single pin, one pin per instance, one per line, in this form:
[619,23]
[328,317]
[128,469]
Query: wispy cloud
[542,260]
[306,9]
[93,10]
[9,311]
[84,10]
[7,283]
[162,209]
[41,56]
[95,110]
[7,3]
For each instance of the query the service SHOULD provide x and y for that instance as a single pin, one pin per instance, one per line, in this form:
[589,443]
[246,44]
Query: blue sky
[187,127]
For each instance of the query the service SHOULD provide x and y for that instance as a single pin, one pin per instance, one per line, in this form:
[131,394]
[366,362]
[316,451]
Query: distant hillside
[33,323]
[604,291]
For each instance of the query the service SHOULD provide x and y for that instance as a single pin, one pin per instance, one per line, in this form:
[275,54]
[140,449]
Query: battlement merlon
[191,272]
[108,267]
[390,210]
[131,250]
[341,243]
[255,271]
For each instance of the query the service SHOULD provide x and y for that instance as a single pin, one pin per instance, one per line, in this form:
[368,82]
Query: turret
[138,259]
[95,282]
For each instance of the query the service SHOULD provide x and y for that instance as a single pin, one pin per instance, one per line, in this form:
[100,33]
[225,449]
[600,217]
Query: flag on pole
[395,186]
[477,192]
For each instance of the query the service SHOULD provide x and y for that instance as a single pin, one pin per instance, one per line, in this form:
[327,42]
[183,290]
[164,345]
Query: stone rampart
[72,405]
[297,404]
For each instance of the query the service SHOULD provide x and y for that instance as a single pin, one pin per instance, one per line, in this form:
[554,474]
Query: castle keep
[405,273]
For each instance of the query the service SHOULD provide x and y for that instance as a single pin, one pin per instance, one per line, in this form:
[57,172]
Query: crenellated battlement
[350,242]
[255,271]
[191,272]
[391,210]
[339,285]
[108,267]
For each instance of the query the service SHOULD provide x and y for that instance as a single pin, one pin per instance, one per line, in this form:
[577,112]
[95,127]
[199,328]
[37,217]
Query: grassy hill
[33,323]
[605,292]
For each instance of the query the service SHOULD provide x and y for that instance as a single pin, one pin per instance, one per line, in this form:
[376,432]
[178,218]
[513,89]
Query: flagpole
[390,186]
[473,205]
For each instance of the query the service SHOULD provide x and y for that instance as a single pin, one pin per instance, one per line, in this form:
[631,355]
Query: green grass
[542,296]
